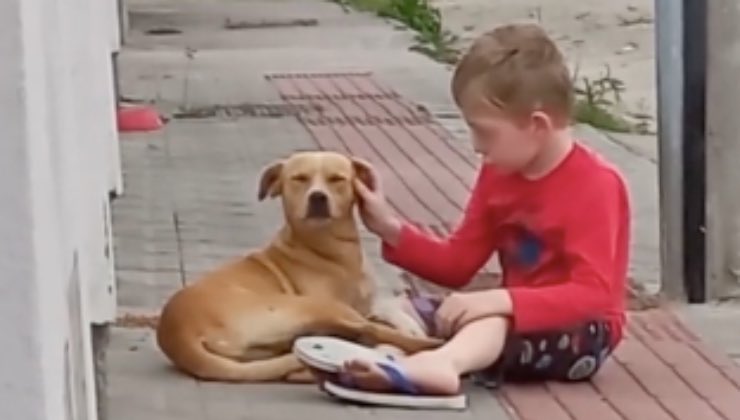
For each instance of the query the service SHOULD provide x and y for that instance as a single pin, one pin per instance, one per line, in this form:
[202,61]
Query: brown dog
[238,322]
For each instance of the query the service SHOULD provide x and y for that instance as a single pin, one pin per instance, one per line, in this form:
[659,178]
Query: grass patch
[601,118]
[431,38]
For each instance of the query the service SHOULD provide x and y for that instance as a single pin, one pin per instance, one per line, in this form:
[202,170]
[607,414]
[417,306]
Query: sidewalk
[618,34]
[190,201]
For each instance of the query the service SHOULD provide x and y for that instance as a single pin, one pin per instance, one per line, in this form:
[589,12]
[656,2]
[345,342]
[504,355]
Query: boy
[556,213]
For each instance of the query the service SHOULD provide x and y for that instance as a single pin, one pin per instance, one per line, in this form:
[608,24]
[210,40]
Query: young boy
[556,213]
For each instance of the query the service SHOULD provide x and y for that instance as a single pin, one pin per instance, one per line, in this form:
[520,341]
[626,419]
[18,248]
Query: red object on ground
[138,118]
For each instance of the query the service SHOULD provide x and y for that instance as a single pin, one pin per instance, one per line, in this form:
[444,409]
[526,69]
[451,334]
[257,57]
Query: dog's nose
[317,199]
[318,205]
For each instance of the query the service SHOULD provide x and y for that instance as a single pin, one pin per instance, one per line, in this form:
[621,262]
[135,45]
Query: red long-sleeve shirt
[562,242]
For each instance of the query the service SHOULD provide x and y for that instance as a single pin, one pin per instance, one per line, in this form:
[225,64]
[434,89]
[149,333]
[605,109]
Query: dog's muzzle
[318,206]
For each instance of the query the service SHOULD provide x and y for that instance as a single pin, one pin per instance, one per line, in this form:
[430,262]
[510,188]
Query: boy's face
[509,144]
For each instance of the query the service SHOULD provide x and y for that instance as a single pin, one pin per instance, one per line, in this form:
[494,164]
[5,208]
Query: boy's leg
[475,347]
[573,354]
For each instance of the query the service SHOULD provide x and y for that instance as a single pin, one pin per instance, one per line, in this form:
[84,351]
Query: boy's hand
[459,309]
[375,211]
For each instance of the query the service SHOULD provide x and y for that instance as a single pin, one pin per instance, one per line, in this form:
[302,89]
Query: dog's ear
[269,185]
[364,172]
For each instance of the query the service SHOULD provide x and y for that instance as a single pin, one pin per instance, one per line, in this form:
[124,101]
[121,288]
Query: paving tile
[620,388]
[533,402]
[674,395]
[146,290]
[141,382]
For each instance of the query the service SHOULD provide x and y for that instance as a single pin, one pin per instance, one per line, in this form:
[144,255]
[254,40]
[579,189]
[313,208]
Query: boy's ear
[270,181]
[364,172]
[541,121]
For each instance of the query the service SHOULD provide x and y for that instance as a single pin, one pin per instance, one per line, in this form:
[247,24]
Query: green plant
[601,118]
[416,14]
[431,38]
[595,100]
[597,91]
[363,5]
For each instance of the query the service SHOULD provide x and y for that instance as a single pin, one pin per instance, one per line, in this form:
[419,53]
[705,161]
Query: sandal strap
[398,379]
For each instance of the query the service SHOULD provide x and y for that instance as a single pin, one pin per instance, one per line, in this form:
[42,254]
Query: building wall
[723,149]
[58,163]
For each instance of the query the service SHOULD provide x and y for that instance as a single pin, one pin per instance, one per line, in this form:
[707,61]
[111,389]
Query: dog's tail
[211,366]
[193,357]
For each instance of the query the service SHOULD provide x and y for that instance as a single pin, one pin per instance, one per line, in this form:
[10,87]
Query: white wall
[58,161]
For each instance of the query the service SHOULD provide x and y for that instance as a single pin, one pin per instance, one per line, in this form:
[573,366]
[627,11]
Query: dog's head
[316,187]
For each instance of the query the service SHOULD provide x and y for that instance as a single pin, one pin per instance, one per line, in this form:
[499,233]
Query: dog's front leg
[398,312]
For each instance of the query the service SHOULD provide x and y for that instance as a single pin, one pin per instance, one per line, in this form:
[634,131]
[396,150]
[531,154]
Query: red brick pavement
[427,178]
[661,371]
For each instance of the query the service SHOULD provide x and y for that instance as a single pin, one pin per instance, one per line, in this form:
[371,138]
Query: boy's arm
[597,249]
[453,261]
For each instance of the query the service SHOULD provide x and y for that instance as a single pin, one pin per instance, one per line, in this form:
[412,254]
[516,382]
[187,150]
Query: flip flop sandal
[328,354]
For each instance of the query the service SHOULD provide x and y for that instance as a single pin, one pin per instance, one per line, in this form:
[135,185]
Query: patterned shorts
[573,354]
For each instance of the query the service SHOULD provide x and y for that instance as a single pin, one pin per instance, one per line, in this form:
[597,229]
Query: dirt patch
[264,24]
[254,110]
[639,299]
[163,31]
[137,321]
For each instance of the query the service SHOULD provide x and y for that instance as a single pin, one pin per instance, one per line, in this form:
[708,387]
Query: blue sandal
[328,355]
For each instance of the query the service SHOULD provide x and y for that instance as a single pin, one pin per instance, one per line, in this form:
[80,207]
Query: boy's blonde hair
[518,68]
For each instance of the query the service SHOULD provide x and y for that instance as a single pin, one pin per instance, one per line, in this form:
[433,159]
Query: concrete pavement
[190,199]
[617,35]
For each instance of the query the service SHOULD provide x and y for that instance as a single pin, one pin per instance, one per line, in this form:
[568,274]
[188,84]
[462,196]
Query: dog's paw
[407,324]
[411,328]
[397,313]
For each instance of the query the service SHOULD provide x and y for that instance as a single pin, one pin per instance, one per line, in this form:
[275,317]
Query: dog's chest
[365,295]
[355,290]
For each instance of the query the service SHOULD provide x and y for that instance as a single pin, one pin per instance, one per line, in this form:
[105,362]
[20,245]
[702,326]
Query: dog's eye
[335,179]
[300,178]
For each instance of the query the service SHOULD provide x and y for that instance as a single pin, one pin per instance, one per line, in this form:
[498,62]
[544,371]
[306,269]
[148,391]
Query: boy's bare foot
[430,373]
